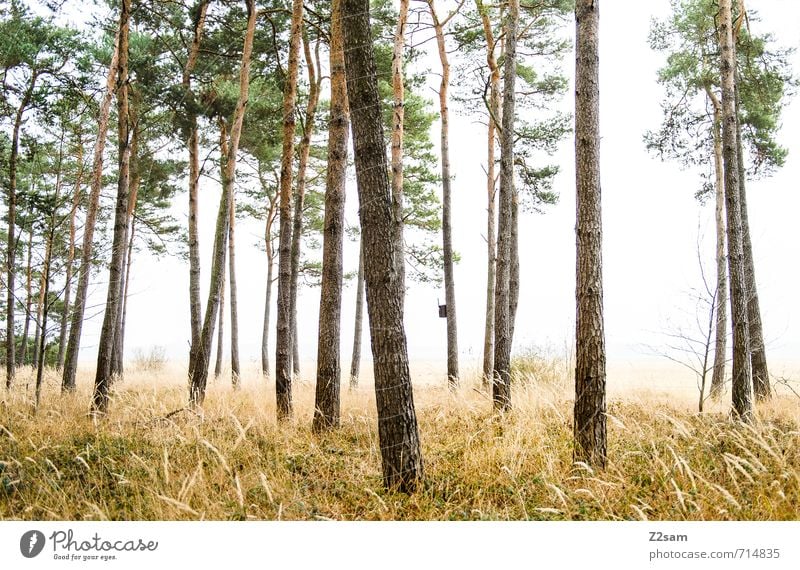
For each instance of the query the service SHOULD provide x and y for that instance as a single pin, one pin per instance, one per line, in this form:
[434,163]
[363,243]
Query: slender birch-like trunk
[491,185]
[447,231]
[355,360]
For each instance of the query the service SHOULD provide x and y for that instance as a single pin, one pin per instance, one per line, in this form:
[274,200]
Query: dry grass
[665,462]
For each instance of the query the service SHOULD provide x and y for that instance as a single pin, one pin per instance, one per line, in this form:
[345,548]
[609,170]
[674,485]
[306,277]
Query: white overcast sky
[650,222]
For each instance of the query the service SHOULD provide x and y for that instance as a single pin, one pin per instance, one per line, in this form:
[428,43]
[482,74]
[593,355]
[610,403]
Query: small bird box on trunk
[442,311]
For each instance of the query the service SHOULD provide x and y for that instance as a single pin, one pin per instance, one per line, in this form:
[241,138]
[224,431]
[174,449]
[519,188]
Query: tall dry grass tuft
[152,458]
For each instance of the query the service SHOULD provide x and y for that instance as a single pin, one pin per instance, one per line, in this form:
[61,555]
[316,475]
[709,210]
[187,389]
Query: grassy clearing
[235,463]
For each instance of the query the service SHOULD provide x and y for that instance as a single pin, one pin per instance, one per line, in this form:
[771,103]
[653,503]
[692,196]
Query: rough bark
[742,387]
[491,181]
[355,360]
[200,352]
[134,179]
[12,238]
[295,363]
[220,327]
[328,388]
[223,145]
[193,146]
[590,362]
[501,389]
[397,424]
[513,280]
[447,229]
[235,370]
[76,201]
[108,331]
[398,127]
[758,355]
[79,308]
[283,337]
[721,298]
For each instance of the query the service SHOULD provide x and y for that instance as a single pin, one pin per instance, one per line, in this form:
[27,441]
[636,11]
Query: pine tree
[590,363]
[397,424]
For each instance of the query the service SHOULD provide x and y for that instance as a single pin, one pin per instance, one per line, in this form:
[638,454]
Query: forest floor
[144,462]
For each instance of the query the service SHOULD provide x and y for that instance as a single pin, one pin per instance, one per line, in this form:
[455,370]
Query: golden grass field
[666,462]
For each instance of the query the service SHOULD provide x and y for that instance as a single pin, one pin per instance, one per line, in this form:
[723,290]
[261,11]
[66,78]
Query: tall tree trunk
[23,350]
[43,339]
[235,371]
[590,355]
[45,299]
[758,355]
[134,179]
[513,285]
[108,331]
[300,193]
[447,232]
[721,297]
[355,361]
[117,368]
[223,145]
[79,308]
[501,392]
[491,275]
[220,328]
[268,295]
[328,388]
[39,308]
[265,329]
[283,337]
[42,346]
[11,250]
[742,379]
[397,423]
[199,355]
[398,130]
[124,319]
[491,181]
[295,347]
[193,146]
[76,201]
